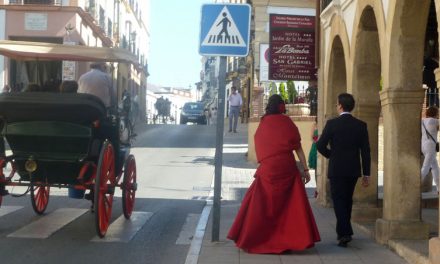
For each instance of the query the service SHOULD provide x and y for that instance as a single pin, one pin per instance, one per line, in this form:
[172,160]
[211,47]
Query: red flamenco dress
[275,214]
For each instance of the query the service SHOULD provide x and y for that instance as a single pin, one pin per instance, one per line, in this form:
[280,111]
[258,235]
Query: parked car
[194,113]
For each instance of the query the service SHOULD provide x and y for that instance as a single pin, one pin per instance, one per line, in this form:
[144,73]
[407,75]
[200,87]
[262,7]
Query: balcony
[325,3]
[35,2]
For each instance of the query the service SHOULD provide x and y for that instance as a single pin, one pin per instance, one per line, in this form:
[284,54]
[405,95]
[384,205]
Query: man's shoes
[343,242]
[230,130]
[235,131]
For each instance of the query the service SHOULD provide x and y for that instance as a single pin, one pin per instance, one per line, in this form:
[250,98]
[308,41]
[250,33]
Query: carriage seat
[45,106]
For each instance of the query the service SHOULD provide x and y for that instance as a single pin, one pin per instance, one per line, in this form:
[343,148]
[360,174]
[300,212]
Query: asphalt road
[174,171]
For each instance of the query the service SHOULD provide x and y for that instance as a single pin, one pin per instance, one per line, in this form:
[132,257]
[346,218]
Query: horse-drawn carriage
[163,109]
[66,140]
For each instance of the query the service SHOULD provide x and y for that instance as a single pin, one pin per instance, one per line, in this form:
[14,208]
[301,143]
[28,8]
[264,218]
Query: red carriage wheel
[129,186]
[39,197]
[104,188]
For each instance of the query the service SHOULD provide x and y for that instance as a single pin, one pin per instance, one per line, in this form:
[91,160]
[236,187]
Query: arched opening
[430,64]
[430,58]
[337,77]
[336,84]
[366,88]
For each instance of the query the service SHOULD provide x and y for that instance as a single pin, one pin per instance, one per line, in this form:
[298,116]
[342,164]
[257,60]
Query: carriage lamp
[30,165]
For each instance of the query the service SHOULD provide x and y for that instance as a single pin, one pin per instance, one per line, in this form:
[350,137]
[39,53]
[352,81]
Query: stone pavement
[236,177]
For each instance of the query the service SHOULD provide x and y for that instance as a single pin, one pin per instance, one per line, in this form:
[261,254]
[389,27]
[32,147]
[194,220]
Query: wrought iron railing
[35,2]
[325,3]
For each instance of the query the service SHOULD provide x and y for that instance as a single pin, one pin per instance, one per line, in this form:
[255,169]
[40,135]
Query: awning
[25,50]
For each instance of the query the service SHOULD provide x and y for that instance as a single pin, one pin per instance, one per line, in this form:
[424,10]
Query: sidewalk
[237,176]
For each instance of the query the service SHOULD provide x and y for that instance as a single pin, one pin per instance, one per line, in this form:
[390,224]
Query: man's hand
[365,181]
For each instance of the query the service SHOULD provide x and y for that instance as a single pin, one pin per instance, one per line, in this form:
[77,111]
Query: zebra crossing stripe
[123,230]
[48,224]
[4,210]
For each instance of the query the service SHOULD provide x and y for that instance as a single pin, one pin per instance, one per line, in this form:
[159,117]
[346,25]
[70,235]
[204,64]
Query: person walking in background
[275,214]
[213,115]
[235,102]
[313,153]
[348,140]
[430,126]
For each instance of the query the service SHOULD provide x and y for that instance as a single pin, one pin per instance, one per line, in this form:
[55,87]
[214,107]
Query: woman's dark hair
[432,111]
[273,105]
[346,100]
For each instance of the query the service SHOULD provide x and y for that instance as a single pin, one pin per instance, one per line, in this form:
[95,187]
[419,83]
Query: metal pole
[219,149]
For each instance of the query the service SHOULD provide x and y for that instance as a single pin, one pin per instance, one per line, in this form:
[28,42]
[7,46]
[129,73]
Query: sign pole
[219,150]
[224,31]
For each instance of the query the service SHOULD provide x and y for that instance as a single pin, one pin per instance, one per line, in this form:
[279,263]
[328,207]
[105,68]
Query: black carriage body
[59,131]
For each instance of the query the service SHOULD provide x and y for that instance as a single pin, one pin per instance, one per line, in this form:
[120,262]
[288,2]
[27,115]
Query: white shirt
[431,125]
[235,99]
[97,83]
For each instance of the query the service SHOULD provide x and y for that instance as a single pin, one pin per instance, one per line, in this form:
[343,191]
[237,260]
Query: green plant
[273,89]
[283,92]
[291,91]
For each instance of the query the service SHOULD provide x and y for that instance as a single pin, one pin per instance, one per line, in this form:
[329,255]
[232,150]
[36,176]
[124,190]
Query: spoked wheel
[39,197]
[104,188]
[129,186]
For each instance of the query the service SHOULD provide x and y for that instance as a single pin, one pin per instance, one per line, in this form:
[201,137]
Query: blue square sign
[225,30]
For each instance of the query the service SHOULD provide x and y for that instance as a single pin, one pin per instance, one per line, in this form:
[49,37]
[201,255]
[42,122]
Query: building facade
[96,23]
[375,49]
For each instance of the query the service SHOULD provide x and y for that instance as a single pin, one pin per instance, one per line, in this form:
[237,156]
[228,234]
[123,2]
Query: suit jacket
[347,137]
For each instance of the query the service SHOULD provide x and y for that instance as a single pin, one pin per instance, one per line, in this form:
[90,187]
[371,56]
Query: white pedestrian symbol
[224,32]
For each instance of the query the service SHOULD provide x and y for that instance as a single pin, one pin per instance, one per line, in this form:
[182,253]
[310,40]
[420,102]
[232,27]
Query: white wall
[2,36]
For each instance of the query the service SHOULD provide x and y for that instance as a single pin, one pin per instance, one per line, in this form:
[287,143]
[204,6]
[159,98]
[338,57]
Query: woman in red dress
[275,214]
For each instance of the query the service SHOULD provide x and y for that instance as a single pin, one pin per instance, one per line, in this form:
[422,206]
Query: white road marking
[196,244]
[187,233]
[4,210]
[123,230]
[49,224]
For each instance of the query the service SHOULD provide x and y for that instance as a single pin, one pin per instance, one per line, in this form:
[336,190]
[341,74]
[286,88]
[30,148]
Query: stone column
[365,205]
[434,243]
[401,202]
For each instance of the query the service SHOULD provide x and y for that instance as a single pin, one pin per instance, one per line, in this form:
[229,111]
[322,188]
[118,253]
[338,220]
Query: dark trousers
[342,190]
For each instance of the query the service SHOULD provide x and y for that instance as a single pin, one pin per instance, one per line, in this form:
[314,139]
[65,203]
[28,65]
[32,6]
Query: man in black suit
[348,140]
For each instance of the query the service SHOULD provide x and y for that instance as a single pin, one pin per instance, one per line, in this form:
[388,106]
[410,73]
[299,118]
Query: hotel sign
[292,48]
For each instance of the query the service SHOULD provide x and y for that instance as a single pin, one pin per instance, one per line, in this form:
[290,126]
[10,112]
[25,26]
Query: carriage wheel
[104,188]
[129,186]
[39,197]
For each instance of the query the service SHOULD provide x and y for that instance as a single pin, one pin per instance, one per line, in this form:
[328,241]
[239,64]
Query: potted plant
[283,93]
[291,95]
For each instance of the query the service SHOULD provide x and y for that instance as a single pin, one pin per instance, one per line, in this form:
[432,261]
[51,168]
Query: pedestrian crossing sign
[225,30]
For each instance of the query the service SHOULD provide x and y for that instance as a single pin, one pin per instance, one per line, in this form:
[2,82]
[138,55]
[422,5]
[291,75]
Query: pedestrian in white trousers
[430,126]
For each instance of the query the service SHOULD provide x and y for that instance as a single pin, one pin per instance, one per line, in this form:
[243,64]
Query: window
[109,28]
[101,17]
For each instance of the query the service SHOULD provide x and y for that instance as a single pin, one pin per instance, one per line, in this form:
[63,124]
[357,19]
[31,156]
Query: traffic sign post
[225,30]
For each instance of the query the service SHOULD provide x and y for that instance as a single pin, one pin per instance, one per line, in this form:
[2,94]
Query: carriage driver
[99,83]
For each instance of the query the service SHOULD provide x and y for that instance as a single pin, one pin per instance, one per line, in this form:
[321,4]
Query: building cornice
[85,16]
